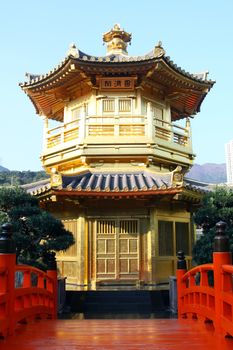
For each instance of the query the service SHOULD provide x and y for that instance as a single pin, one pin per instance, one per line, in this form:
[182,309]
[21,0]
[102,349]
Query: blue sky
[35,36]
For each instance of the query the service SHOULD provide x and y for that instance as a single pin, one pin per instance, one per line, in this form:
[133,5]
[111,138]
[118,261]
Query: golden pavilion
[117,144]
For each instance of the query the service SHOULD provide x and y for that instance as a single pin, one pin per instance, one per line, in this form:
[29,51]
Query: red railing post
[52,273]
[181,270]
[221,256]
[7,280]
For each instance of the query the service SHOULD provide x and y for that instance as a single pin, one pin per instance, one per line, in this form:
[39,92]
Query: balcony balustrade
[118,129]
[172,133]
[62,134]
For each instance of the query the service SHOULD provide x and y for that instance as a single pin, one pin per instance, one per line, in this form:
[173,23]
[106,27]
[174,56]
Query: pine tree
[36,232]
[217,205]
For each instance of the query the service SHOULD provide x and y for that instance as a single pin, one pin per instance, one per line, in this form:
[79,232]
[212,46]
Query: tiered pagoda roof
[78,74]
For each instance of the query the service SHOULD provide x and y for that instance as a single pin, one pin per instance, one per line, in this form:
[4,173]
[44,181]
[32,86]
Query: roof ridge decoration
[73,51]
[30,76]
[177,177]
[117,40]
[56,179]
[159,50]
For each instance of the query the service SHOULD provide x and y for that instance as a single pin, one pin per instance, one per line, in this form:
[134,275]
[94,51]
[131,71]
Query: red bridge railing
[206,291]
[26,293]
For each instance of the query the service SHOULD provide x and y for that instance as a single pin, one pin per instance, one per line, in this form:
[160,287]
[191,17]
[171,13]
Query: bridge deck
[164,334]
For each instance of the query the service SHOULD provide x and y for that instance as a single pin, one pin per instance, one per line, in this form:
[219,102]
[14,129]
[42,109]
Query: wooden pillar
[45,132]
[81,239]
[152,246]
[138,109]
[150,122]
[86,257]
[188,132]
[82,123]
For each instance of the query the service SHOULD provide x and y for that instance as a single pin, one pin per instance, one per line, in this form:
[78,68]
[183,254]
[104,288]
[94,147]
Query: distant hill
[18,178]
[3,169]
[209,172]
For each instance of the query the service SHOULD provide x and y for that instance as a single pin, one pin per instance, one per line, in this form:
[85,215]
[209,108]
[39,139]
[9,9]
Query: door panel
[117,249]
[128,249]
[105,249]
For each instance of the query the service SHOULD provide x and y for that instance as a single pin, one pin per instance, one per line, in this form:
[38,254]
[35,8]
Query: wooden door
[116,249]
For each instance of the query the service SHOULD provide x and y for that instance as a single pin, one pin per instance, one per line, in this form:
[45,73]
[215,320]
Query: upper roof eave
[192,76]
[111,61]
[37,79]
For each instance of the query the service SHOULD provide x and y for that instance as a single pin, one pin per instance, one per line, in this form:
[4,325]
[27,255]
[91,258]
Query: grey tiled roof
[143,181]
[38,187]
[117,182]
[196,185]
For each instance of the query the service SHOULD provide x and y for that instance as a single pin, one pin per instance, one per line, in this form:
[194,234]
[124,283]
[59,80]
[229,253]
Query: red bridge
[205,310]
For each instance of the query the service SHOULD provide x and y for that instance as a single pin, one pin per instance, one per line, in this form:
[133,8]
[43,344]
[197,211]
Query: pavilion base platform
[115,301]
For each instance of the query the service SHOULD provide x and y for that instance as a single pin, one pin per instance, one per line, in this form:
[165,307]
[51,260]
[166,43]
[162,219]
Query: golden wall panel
[164,269]
[67,269]
[70,268]
[70,225]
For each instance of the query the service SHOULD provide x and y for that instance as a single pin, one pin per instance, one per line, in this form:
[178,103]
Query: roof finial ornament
[73,51]
[30,76]
[117,26]
[117,40]
[159,50]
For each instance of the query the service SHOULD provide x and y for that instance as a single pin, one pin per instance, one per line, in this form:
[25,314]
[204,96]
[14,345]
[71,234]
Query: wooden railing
[116,126]
[206,291]
[171,132]
[26,293]
[61,134]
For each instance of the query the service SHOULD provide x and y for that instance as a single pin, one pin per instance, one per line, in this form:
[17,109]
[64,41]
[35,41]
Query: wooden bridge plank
[137,334]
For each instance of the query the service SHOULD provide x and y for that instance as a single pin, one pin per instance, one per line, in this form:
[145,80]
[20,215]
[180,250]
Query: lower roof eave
[116,193]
